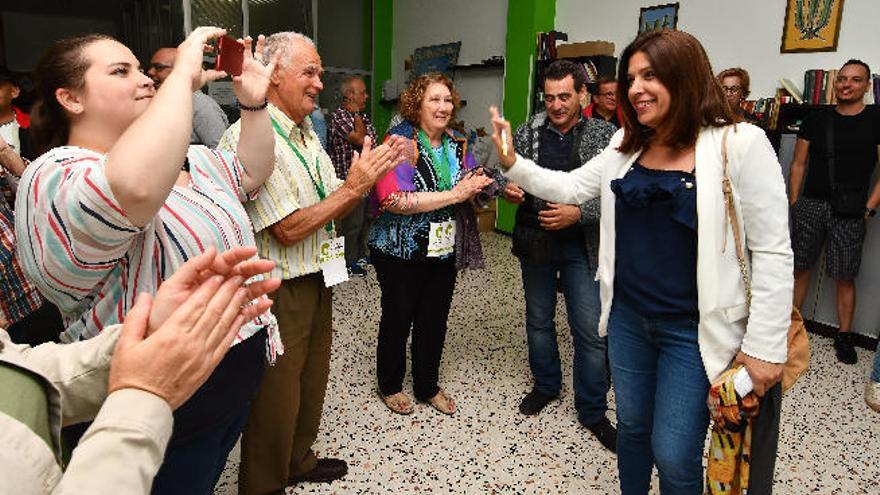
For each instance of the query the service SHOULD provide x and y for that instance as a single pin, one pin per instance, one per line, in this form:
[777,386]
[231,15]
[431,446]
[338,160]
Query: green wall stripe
[383,43]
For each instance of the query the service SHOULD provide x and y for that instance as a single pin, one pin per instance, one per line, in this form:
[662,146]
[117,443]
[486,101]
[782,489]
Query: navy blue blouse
[656,242]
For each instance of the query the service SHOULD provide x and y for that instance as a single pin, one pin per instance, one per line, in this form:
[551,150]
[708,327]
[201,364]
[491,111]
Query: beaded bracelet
[253,109]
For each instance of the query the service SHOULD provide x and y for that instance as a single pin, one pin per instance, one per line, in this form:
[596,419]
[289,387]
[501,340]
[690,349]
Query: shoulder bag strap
[730,213]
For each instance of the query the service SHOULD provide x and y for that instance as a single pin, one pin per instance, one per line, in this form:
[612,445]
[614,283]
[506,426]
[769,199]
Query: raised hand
[251,86]
[236,262]
[190,55]
[500,126]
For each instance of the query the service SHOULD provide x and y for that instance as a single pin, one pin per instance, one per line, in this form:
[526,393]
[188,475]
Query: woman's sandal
[398,403]
[443,403]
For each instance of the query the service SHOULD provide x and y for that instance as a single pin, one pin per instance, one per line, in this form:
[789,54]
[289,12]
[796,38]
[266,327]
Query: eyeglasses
[731,90]
[607,94]
[159,67]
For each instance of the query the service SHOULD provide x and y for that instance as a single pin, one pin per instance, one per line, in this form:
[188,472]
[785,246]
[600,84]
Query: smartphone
[230,56]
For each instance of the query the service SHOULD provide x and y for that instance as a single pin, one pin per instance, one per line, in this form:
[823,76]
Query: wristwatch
[870,212]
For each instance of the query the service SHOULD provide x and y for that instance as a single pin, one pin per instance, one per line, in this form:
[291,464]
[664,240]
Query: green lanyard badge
[319,184]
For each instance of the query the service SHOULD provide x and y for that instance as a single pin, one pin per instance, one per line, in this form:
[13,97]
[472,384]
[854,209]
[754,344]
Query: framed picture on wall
[811,26]
[658,17]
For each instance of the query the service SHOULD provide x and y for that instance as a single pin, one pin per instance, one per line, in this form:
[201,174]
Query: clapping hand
[371,164]
[234,263]
[251,86]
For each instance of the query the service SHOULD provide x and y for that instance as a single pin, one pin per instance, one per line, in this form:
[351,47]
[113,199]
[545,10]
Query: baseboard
[863,341]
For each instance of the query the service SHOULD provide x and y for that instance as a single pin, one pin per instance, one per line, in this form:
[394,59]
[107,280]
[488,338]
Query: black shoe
[325,471]
[356,271]
[534,402]
[846,353]
[606,433]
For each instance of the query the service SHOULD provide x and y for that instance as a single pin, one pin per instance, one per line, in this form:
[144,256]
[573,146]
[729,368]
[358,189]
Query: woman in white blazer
[673,301]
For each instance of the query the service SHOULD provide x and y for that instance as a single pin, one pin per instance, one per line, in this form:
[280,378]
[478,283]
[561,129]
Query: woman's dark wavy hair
[696,100]
[62,65]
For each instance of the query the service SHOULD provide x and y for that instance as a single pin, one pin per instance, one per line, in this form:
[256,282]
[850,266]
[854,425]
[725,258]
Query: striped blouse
[288,189]
[78,247]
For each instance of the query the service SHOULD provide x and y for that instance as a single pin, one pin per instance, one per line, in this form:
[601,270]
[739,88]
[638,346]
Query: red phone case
[230,56]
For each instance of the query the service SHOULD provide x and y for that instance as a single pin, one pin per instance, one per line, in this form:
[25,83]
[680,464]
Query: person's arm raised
[145,161]
[256,144]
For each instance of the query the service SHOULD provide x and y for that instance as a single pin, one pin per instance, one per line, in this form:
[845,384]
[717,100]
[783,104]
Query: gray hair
[282,43]
[347,80]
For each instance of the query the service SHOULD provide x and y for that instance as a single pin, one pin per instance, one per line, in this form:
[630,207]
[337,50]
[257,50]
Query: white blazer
[727,324]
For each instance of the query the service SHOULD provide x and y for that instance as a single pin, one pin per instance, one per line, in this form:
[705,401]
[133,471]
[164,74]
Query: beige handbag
[798,344]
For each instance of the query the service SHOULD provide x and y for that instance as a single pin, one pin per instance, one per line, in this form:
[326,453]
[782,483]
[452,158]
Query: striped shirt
[78,247]
[288,189]
[341,150]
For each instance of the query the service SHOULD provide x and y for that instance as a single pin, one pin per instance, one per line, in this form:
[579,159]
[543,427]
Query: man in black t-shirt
[820,212]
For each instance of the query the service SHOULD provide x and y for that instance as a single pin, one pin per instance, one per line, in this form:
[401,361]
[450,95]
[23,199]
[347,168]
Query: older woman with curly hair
[423,197]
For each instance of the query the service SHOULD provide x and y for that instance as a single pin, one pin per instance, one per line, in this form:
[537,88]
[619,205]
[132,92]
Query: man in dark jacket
[554,241]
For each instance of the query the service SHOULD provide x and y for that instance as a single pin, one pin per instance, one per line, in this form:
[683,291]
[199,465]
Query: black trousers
[415,295]
[765,438]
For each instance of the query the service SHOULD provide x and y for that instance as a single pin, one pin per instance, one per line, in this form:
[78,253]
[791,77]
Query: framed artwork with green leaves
[811,26]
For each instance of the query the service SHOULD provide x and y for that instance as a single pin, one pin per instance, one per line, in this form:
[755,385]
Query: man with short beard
[553,240]
[835,205]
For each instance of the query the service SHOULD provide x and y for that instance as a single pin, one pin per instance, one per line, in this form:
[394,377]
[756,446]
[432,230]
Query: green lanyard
[441,163]
[319,184]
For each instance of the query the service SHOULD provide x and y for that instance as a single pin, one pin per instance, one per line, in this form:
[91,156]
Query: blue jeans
[875,374]
[660,390]
[581,293]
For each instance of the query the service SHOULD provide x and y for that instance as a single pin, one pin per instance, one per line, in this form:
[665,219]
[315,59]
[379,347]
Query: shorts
[812,223]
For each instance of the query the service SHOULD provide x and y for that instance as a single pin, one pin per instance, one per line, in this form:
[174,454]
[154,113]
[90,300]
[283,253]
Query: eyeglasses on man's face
[607,94]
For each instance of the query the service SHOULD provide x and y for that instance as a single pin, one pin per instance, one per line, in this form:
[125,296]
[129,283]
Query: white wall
[480,25]
[744,33]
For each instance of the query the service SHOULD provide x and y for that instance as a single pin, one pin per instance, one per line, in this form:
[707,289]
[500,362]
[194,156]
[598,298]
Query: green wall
[525,19]
[383,42]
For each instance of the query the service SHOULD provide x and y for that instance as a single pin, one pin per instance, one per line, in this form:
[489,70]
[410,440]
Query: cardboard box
[486,220]
[585,49]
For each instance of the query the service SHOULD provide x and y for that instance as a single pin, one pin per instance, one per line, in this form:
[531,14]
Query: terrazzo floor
[830,440]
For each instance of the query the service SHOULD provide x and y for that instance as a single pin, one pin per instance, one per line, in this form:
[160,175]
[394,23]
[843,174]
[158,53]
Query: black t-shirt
[855,149]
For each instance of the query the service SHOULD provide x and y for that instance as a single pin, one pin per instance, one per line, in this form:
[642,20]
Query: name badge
[441,239]
[331,257]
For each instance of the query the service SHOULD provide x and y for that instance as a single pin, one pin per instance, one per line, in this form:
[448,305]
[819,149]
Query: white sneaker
[872,395]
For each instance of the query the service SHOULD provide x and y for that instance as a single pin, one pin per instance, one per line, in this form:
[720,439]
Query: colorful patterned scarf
[730,448]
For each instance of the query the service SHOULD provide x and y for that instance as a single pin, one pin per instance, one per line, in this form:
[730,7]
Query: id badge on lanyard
[441,239]
[331,257]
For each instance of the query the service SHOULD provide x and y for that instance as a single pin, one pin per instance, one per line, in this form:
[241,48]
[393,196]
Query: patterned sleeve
[339,125]
[71,230]
[399,179]
[596,137]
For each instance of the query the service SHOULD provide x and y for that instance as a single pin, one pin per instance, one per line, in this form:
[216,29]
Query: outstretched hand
[501,127]
[251,86]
